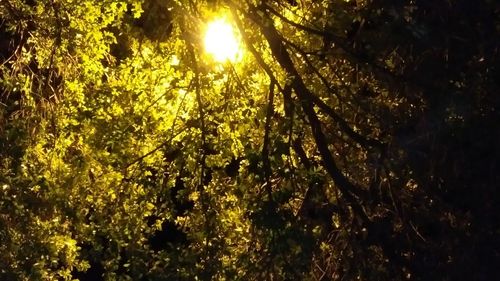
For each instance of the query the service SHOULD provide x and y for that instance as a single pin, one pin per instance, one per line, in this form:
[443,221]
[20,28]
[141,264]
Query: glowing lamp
[221,42]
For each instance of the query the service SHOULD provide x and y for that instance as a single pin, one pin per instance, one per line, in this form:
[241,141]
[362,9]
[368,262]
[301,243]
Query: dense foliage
[354,140]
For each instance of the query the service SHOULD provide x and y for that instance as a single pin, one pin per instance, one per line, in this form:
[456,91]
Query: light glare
[221,42]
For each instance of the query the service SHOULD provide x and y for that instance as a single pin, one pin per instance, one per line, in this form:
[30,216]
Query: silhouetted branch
[280,53]
[265,147]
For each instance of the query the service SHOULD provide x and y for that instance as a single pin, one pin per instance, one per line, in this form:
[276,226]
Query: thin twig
[265,147]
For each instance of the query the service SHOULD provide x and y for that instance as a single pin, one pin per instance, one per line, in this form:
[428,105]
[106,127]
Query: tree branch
[338,41]
[265,147]
[280,53]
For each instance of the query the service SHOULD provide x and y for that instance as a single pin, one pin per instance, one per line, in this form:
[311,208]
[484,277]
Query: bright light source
[221,42]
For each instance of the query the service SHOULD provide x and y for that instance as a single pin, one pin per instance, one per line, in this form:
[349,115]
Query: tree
[351,140]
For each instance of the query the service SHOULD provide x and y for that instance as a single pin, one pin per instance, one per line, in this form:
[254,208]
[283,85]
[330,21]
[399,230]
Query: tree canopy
[343,140]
